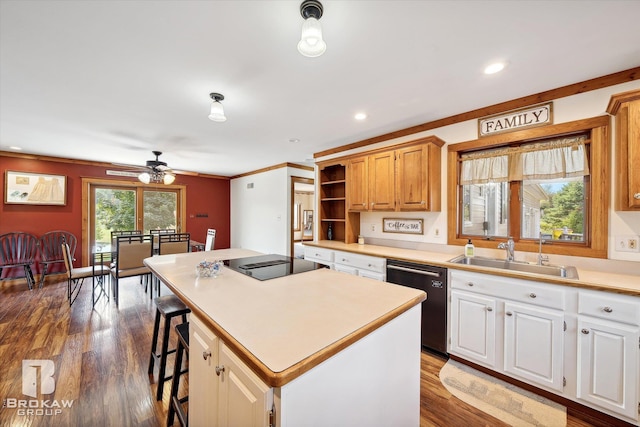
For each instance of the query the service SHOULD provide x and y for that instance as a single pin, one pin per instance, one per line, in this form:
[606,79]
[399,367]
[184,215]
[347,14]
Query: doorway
[302,214]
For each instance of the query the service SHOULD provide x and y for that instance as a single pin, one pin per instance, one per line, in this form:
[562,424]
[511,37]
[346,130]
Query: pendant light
[217,112]
[311,43]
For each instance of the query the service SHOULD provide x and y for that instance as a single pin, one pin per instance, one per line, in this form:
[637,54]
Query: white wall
[576,107]
[261,216]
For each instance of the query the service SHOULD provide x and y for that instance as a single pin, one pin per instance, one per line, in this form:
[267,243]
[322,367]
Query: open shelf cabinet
[332,202]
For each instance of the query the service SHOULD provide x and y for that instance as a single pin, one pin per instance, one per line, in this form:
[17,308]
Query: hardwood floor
[101,358]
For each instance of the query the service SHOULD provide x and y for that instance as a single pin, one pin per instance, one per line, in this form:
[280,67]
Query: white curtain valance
[560,158]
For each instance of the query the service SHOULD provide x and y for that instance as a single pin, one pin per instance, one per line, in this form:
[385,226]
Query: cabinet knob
[489,309]
[345,260]
[422,202]
[608,310]
[508,313]
[636,196]
[470,284]
[219,370]
[532,295]
[585,331]
[371,203]
[206,354]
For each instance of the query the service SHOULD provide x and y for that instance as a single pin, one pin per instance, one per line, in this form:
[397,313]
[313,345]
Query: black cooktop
[265,267]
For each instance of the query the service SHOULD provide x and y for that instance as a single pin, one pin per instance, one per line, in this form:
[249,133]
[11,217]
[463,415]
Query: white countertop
[283,327]
[602,280]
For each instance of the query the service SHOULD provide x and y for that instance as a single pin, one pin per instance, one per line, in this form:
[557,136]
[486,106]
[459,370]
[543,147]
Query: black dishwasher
[432,280]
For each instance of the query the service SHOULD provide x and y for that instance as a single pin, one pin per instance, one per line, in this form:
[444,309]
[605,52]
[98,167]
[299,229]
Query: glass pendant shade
[144,177]
[168,178]
[311,43]
[217,112]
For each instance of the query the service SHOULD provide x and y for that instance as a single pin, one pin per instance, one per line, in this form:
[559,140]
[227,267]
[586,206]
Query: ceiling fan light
[311,43]
[144,177]
[168,178]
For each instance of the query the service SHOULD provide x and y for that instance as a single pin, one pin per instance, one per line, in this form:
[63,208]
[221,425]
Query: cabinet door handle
[508,313]
[489,309]
[636,196]
[532,295]
[470,284]
[206,354]
[585,331]
[608,310]
[219,370]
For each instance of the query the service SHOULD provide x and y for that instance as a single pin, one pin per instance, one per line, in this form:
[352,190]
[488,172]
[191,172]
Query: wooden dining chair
[131,252]
[51,251]
[76,276]
[18,250]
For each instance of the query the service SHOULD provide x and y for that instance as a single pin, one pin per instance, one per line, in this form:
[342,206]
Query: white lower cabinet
[348,262]
[533,343]
[244,398]
[473,327]
[223,391]
[519,328]
[608,341]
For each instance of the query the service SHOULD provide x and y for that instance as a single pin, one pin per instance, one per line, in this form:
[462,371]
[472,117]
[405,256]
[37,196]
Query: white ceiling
[114,80]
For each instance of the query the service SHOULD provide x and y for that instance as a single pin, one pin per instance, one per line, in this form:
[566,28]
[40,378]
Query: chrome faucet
[542,258]
[509,246]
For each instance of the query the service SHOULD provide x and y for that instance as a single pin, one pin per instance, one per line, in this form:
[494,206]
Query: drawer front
[318,254]
[618,308]
[525,291]
[361,261]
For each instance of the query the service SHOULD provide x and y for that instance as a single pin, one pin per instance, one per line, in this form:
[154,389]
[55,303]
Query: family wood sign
[538,115]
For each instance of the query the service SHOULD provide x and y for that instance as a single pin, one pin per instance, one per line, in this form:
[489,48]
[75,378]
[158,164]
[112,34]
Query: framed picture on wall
[27,188]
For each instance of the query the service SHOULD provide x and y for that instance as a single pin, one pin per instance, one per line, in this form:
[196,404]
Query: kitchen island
[315,348]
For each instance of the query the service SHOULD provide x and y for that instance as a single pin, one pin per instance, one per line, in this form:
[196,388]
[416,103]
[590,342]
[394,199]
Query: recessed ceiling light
[15,148]
[495,68]
[294,140]
[360,116]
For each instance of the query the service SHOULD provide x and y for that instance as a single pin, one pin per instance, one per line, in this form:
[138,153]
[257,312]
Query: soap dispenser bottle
[469,249]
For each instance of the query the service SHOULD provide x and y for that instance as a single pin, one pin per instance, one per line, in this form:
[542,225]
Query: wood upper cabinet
[405,178]
[382,191]
[358,184]
[626,109]
[418,170]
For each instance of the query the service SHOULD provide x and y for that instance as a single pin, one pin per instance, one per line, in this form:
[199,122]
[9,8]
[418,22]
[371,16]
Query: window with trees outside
[531,185]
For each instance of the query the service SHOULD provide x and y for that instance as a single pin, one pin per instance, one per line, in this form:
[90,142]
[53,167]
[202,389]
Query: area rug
[508,403]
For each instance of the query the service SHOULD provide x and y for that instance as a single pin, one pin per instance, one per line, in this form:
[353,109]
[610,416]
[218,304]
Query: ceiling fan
[155,171]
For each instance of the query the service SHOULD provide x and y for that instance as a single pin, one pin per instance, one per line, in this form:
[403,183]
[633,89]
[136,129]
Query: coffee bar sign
[538,115]
[402,225]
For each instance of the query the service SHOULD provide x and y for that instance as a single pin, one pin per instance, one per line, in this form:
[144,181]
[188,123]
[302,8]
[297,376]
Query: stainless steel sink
[550,270]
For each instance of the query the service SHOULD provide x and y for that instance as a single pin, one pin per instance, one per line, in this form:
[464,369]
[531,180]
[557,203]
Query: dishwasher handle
[412,270]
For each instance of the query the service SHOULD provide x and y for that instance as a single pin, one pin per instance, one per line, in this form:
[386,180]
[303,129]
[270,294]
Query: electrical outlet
[373,227]
[627,243]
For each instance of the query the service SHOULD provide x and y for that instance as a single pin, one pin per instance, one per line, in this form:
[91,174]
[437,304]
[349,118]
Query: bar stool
[167,307]
[175,402]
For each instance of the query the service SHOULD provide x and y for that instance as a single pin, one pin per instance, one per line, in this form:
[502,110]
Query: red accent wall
[211,196]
